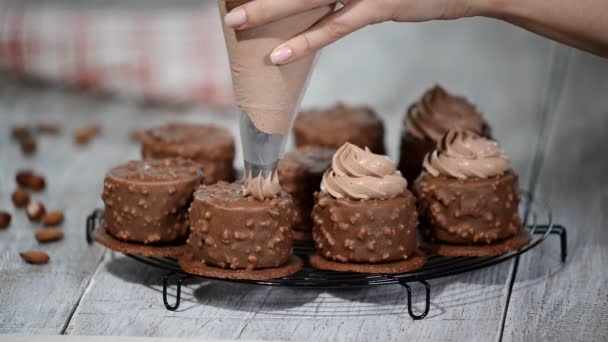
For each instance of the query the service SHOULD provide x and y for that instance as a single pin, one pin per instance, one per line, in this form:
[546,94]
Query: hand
[354,15]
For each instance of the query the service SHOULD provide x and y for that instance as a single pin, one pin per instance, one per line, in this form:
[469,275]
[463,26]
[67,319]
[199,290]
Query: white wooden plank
[41,299]
[551,301]
[393,65]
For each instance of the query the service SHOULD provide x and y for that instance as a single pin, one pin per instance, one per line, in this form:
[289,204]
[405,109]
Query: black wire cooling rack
[538,220]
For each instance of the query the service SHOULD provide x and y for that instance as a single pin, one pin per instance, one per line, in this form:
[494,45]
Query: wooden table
[548,107]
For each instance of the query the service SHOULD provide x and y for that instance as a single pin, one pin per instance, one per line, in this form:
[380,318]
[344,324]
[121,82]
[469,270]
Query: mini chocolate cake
[428,120]
[230,230]
[334,127]
[365,231]
[210,146]
[147,201]
[364,214]
[300,173]
[467,194]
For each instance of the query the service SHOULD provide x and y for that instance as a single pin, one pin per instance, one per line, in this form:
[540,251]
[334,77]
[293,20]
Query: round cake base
[507,245]
[188,265]
[169,251]
[415,262]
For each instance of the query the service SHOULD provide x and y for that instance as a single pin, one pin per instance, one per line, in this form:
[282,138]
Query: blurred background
[164,57]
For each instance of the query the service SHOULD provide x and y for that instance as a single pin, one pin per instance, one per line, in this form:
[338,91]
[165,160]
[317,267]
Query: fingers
[259,12]
[331,28]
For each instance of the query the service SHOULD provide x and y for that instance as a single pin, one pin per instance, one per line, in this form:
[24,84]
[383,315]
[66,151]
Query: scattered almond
[20,198]
[35,257]
[37,182]
[23,178]
[52,218]
[48,234]
[5,219]
[47,127]
[136,134]
[28,146]
[85,134]
[20,132]
[35,210]
[29,179]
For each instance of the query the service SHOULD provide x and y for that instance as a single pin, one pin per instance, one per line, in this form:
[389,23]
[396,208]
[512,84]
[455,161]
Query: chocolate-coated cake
[364,212]
[335,126]
[230,230]
[147,201]
[428,120]
[468,192]
[300,173]
[210,146]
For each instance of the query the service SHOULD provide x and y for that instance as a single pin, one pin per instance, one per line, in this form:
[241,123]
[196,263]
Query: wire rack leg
[92,220]
[561,231]
[427,302]
[178,291]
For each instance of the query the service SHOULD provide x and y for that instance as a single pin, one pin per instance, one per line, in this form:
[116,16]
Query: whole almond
[28,146]
[47,127]
[48,234]
[35,210]
[35,257]
[23,178]
[20,198]
[5,219]
[85,134]
[20,132]
[52,218]
[37,182]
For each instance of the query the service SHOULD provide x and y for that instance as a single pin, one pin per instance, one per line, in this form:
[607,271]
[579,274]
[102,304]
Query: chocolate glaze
[335,126]
[468,211]
[210,146]
[232,231]
[146,201]
[365,231]
[300,172]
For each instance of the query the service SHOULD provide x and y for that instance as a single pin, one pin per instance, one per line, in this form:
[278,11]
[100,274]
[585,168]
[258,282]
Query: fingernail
[281,55]
[235,18]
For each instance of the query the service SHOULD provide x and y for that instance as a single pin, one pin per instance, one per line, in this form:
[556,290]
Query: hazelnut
[35,210]
[20,198]
[52,218]
[5,219]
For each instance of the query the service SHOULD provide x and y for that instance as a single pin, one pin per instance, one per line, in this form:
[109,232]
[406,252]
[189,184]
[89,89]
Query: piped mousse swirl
[464,154]
[360,174]
[261,187]
[437,111]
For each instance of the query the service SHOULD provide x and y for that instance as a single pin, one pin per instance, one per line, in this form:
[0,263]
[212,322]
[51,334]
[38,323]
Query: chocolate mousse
[300,174]
[428,120]
[209,146]
[234,231]
[467,193]
[364,215]
[146,201]
[335,126]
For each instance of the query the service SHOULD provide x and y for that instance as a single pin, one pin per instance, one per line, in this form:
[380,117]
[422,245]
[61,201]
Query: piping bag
[267,95]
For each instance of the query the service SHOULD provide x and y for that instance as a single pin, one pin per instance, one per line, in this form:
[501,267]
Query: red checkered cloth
[175,55]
